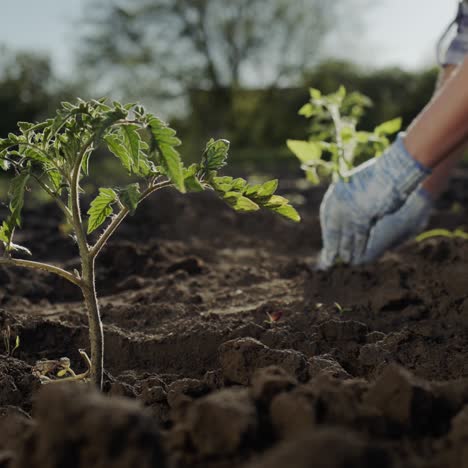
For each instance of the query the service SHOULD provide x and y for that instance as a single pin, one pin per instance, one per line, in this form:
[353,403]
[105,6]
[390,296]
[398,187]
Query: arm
[442,126]
[437,182]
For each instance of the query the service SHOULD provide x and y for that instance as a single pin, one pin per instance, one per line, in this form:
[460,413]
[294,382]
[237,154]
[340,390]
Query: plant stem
[88,285]
[96,333]
[42,267]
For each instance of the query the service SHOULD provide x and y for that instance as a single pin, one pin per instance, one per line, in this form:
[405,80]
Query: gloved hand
[350,209]
[394,229]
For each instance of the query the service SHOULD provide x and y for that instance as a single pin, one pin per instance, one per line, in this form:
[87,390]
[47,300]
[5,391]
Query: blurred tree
[28,89]
[168,47]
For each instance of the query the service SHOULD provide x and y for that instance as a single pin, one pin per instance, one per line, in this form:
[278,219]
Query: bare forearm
[438,181]
[443,124]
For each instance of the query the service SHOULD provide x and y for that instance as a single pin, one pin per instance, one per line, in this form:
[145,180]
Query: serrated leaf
[164,141]
[55,179]
[215,155]
[239,184]
[4,144]
[252,190]
[389,128]
[17,189]
[268,188]
[101,208]
[231,197]
[129,196]
[306,151]
[192,183]
[118,149]
[131,142]
[32,153]
[244,204]
[276,201]
[25,126]
[289,212]
[172,164]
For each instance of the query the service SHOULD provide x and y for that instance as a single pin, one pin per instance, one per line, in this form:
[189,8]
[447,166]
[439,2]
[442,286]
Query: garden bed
[242,355]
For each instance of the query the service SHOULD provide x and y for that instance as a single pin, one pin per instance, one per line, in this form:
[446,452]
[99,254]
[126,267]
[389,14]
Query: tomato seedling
[55,156]
[335,145]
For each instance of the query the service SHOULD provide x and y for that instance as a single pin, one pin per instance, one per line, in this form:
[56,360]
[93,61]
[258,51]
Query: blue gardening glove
[394,229]
[350,210]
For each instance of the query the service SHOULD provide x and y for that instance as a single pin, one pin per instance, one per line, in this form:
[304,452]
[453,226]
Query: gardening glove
[350,209]
[394,229]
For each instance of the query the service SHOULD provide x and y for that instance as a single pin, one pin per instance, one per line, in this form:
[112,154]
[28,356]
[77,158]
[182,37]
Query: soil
[225,349]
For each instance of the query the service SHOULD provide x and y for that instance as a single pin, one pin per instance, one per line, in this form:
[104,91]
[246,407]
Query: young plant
[55,156]
[335,145]
[6,333]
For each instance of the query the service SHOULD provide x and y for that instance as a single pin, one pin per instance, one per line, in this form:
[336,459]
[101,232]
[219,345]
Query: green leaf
[25,126]
[130,196]
[101,208]
[307,110]
[192,183]
[244,204]
[117,148]
[172,164]
[268,188]
[165,142]
[312,175]
[389,128]
[275,202]
[315,93]
[306,151]
[131,141]
[56,179]
[215,155]
[17,189]
[289,212]
[6,232]
[32,153]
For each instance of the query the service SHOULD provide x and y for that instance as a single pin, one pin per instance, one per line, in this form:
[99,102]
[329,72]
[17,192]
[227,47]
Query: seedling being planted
[335,145]
[55,156]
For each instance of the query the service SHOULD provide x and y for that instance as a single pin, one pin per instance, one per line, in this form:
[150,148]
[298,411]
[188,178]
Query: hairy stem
[96,332]
[88,286]
[42,267]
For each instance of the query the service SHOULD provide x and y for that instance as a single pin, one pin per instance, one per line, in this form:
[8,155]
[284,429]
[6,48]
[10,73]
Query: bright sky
[400,32]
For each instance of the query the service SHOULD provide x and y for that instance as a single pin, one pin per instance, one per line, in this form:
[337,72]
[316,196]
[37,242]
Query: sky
[399,32]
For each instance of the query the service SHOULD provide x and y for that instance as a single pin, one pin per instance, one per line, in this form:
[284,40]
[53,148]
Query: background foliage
[239,71]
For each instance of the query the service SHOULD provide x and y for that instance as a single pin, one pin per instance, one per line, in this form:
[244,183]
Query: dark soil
[224,349]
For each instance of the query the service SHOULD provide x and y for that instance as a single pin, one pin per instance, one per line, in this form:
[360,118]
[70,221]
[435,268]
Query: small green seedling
[7,341]
[335,145]
[55,156]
